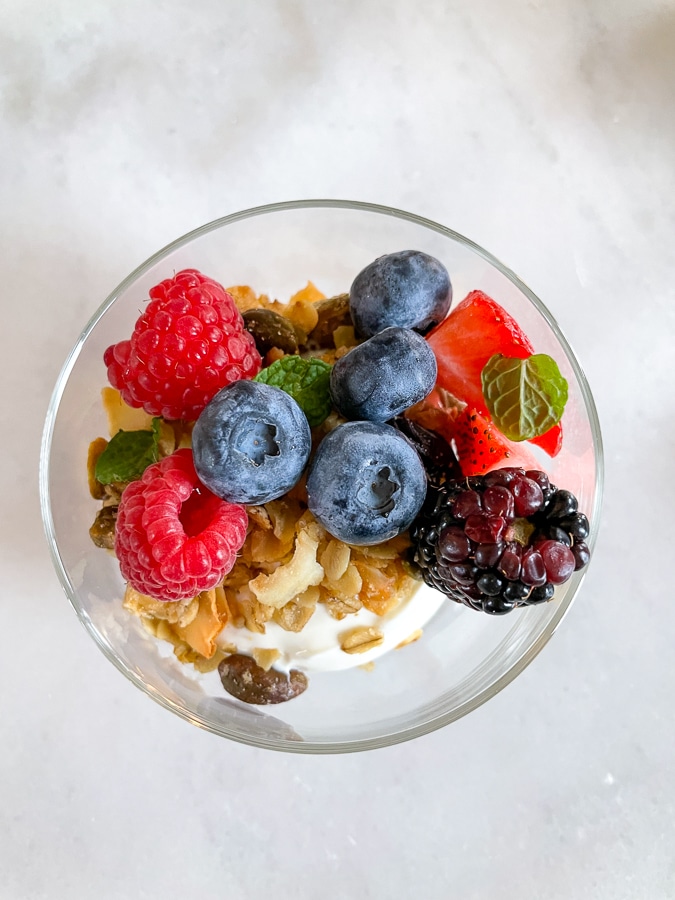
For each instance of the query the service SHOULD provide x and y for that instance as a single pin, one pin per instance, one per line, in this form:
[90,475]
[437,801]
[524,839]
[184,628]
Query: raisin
[269,330]
[102,532]
[247,681]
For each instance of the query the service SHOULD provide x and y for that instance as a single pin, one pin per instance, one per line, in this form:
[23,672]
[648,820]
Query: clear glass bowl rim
[422,728]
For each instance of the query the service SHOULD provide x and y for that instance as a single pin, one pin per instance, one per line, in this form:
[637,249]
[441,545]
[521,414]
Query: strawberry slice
[467,338]
[551,442]
[479,446]
[432,414]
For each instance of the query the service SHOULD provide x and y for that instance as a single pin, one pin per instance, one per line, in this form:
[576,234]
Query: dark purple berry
[542,480]
[463,574]
[498,501]
[490,584]
[509,564]
[576,525]
[557,533]
[502,477]
[487,555]
[541,594]
[498,606]
[540,477]
[459,538]
[562,504]
[453,544]
[581,554]
[558,560]
[467,504]
[528,496]
[516,591]
[533,570]
[484,529]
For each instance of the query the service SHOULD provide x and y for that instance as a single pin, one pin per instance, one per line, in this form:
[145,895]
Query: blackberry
[498,541]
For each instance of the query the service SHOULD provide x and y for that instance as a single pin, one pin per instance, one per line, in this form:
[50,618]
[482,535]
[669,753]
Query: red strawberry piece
[480,447]
[550,442]
[188,344]
[431,414]
[469,336]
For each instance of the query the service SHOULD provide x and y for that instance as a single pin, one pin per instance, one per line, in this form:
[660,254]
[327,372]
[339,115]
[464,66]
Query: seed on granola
[242,677]
[269,329]
[332,313]
[102,532]
[360,640]
[293,616]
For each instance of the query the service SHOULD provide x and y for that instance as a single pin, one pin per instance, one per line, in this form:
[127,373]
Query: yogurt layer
[317,647]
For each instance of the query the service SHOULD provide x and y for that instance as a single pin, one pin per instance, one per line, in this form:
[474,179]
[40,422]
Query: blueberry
[383,376]
[366,483]
[410,289]
[251,443]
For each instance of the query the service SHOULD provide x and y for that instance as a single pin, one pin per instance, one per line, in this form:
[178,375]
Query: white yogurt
[317,647]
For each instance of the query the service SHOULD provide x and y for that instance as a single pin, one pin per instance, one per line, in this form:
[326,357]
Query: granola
[289,566]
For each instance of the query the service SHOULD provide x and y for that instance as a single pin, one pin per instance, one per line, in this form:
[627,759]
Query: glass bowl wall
[464,658]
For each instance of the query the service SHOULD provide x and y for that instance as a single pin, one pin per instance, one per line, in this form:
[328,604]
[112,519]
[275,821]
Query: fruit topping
[305,380]
[269,329]
[383,376]
[242,677]
[366,483]
[434,450]
[188,344]
[486,541]
[409,289]
[551,442]
[479,445]
[525,397]
[251,443]
[473,332]
[174,538]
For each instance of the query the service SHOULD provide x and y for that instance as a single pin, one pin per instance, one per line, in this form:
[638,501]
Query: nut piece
[301,309]
[96,448]
[415,636]
[175,612]
[291,579]
[247,681]
[122,417]
[360,640]
[102,532]
[269,329]
[332,313]
[335,559]
[265,657]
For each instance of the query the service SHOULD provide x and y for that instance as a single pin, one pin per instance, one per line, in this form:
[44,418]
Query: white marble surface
[544,130]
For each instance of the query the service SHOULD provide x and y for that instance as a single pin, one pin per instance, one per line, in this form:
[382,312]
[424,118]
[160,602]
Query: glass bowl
[464,657]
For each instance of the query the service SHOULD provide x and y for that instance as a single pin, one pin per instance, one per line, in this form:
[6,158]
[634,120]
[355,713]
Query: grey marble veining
[545,132]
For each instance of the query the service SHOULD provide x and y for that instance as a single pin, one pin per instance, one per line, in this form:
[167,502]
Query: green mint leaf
[525,397]
[306,380]
[128,455]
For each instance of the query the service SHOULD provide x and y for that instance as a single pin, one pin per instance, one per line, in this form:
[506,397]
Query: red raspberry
[189,343]
[173,537]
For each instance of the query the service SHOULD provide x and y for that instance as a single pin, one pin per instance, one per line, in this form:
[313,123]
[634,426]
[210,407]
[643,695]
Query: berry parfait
[320,501]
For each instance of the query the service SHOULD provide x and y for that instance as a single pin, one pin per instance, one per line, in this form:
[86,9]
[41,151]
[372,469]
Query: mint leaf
[128,455]
[525,397]
[306,380]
